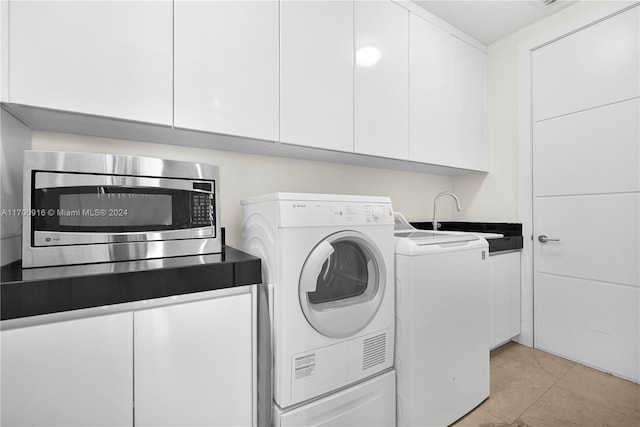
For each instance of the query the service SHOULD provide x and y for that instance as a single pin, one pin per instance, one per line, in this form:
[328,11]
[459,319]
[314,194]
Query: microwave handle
[57,180]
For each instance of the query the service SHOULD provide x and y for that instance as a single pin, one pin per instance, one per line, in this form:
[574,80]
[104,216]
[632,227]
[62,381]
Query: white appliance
[328,261]
[442,327]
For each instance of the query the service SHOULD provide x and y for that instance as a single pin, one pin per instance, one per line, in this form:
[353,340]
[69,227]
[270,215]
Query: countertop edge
[47,295]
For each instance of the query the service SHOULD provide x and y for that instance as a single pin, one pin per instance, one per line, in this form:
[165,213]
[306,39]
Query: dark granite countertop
[36,291]
[512,232]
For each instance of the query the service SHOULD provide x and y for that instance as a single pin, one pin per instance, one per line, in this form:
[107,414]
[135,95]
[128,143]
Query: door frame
[525,146]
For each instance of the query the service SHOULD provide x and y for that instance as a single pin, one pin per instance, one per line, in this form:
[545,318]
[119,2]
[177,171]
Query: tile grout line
[586,398]
[545,392]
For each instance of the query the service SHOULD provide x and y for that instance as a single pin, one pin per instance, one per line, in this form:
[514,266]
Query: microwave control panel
[202,209]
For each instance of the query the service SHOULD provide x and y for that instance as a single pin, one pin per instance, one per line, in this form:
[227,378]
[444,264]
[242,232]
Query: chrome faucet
[444,193]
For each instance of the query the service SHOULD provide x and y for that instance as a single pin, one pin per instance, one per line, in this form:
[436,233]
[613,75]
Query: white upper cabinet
[430,122]
[469,111]
[226,67]
[316,74]
[603,58]
[102,58]
[381,79]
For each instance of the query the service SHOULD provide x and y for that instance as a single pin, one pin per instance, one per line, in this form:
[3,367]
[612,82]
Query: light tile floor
[531,388]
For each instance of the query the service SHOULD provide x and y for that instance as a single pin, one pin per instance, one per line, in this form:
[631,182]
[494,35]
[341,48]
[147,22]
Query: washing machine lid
[342,284]
[404,230]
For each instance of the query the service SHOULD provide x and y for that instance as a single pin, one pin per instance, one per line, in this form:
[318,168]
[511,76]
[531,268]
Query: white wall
[246,175]
[494,197]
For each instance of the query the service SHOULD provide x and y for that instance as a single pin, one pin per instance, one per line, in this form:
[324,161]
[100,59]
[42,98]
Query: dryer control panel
[323,213]
[361,213]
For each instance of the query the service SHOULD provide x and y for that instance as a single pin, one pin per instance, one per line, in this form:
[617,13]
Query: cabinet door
[73,373]
[193,364]
[316,66]
[226,67]
[381,79]
[469,107]
[104,58]
[504,297]
[430,96]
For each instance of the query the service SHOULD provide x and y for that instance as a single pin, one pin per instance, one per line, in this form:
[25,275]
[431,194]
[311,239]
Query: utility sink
[423,237]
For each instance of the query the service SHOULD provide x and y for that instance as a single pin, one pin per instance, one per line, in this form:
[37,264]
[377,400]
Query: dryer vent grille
[374,351]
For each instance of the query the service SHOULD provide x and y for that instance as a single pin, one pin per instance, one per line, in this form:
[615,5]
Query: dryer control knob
[379,213]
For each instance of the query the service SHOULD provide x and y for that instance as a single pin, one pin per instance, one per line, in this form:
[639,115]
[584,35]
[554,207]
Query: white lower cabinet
[72,373]
[504,297]
[193,364]
[183,363]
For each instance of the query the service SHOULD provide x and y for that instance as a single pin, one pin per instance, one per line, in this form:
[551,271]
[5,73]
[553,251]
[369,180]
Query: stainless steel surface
[544,239]
[54,238]
[444,193]
[55,180]
[74,169]
[46,273]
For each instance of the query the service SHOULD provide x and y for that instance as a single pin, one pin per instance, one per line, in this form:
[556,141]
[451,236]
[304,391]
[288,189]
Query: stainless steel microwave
[84,208]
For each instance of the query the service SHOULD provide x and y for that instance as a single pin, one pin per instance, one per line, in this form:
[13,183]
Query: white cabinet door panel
[469,117]
[573,318]
[226,67]
[316,80]
[430,122]
[193,363]
[504,295]
[596,66]
[599,237]
[96,57]
[73,373]
[381,79]
[606,142]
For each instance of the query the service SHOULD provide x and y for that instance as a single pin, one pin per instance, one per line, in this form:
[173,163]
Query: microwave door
[98,209]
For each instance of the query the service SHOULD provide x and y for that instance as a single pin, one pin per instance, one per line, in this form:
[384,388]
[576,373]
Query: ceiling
[490,20]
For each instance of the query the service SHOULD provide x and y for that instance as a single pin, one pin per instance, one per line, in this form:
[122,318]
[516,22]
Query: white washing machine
[442,326]
[328,261]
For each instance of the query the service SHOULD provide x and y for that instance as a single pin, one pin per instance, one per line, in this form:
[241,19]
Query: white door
[342,284]
[586,163]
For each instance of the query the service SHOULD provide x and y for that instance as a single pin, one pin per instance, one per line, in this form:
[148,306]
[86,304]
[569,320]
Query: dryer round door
[342,284]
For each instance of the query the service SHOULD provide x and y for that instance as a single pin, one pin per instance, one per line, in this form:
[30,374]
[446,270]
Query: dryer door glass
[342,284]
[344,274]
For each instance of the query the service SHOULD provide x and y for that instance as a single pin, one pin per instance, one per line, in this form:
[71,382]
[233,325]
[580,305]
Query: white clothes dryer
[329,264]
